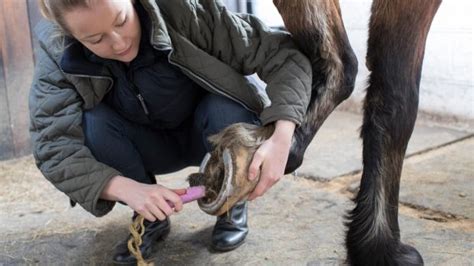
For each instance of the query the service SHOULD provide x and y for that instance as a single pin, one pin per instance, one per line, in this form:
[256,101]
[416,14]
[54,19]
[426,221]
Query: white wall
[447,79]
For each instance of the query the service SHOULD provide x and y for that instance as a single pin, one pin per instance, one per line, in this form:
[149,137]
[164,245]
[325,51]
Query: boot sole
[227,248]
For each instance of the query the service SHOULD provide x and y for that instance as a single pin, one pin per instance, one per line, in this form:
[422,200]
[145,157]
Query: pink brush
[192,194]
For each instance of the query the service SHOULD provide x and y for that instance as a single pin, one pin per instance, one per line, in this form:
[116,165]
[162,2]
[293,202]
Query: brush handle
[192,194]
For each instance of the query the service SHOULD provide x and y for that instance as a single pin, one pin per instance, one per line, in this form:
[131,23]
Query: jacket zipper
[143,104]
[134,88]
[139,96]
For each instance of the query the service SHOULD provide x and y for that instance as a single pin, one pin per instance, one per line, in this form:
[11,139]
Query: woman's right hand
[149,200]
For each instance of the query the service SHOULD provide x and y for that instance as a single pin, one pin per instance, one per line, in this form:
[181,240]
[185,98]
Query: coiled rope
[137,229]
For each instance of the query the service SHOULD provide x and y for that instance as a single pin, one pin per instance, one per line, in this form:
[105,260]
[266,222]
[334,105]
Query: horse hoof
[398,254]
[408,255]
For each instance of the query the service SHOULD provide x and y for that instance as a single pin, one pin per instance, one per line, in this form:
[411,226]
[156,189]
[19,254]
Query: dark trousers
[139,151]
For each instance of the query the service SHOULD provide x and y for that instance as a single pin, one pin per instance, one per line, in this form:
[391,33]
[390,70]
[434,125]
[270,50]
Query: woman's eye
[123,23]
[98,41]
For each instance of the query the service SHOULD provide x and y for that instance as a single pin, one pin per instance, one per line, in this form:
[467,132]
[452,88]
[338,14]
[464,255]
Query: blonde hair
[54,10]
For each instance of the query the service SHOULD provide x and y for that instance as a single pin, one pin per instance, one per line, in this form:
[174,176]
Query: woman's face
[109,28]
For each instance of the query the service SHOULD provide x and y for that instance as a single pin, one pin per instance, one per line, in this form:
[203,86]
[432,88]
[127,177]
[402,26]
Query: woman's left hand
[271,158]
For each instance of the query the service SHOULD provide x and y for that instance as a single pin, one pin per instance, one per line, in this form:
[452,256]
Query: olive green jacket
[211,45]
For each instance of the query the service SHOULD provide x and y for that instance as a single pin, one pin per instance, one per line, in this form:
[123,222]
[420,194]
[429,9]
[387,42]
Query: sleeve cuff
[101,207]
[274,113]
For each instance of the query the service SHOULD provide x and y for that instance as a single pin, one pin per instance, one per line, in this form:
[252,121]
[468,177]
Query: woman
[129,89]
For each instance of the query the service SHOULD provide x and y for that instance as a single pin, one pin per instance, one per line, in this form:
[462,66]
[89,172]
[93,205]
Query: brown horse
[396,45]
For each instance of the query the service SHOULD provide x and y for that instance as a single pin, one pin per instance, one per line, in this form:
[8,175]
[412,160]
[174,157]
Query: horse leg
[397,37]
[318,30]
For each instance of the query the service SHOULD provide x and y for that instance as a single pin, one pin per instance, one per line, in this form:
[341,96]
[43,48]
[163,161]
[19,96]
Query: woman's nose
[118,43]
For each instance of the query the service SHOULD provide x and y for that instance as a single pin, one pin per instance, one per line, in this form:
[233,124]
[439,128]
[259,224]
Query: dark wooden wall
[17,18]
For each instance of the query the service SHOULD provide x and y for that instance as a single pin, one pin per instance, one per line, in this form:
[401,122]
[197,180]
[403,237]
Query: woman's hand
[147,200]
[271,158]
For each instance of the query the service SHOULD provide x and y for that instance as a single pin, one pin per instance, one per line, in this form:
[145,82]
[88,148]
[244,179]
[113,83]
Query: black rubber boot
[154,231]
[230,229]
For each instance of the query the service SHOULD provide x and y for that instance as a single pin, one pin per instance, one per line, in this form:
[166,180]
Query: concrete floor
[299,221]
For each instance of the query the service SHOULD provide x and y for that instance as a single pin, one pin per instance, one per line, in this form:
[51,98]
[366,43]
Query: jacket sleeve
[243,42]
[58,141]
